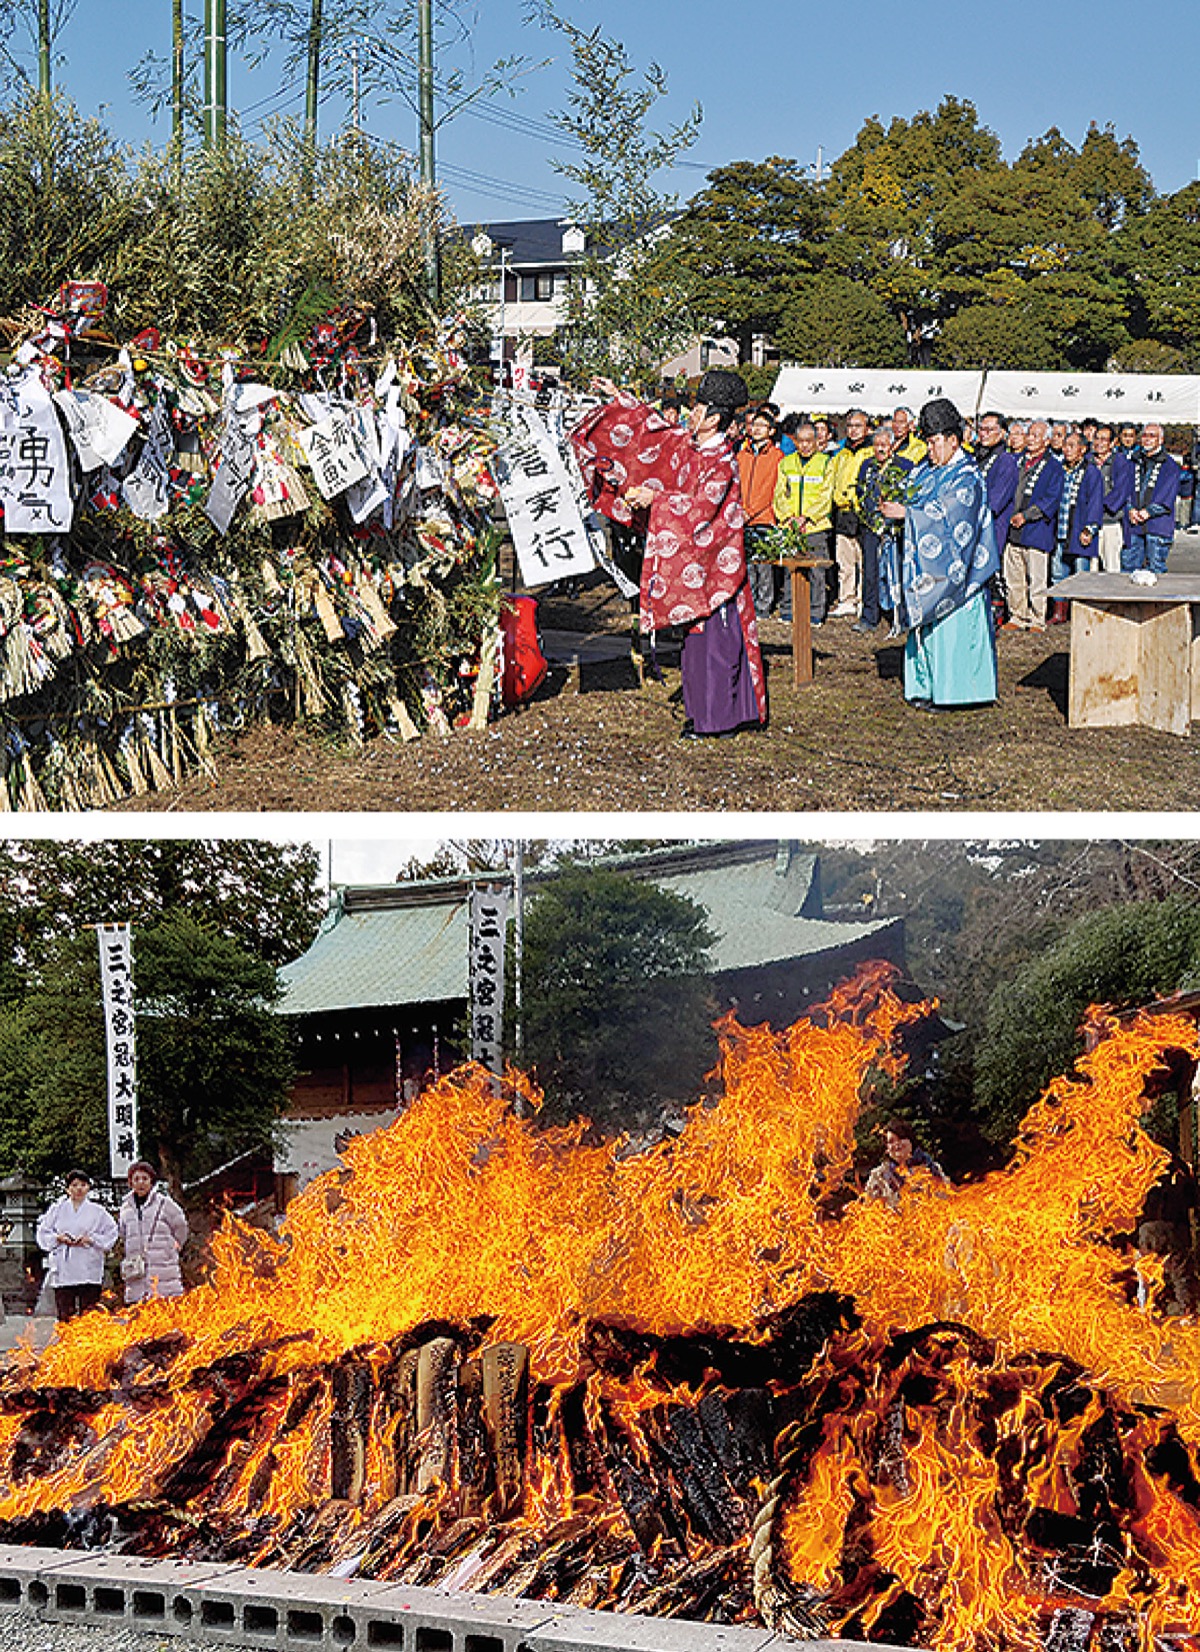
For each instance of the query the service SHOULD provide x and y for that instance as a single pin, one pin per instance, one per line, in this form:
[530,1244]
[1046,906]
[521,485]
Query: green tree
[832,321]
[265,898]
[40,23]
[888,193]
[748,239]
[1159,253]
[1027,242]
[994,335]
[617,1006]
[1125,955]
[214,1061]
[231,247]
[1148,355]
[628,304]
[1110,177]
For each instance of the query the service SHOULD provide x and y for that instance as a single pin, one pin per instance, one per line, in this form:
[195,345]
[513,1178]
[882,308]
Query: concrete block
[21,1577]
[291,1609]
[440,1620]
[213,1604]
[88,1587]
[586,1631]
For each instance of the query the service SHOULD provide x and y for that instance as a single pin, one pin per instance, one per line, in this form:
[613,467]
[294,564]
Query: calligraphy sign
[116,980]
[239,446]
[332,451]
[147,488]
[543,513]
[100,430]
[35,481]
[489,923]
[1170,398]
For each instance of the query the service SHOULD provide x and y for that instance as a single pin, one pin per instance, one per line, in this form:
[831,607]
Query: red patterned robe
[695,560]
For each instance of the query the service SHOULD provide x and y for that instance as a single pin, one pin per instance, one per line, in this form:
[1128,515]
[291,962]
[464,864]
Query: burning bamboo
[675,1382]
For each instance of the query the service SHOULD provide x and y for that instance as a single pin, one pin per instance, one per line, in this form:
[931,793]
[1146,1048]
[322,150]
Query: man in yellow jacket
[908,443]
[804,494]
[847,462]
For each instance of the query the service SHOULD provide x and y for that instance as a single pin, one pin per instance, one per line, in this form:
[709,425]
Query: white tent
[874,389]
[1172,398]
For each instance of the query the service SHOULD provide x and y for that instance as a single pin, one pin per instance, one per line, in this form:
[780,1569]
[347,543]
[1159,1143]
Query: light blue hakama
[949,555]
[952,661]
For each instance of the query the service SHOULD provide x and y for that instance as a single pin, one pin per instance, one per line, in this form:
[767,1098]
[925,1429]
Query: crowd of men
[709,511]
[1064,498]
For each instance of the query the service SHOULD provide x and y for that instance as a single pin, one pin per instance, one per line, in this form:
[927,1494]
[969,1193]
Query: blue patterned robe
[949,556]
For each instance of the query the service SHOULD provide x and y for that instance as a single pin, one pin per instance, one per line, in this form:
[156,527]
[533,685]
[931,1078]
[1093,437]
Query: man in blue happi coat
[1000,469]
[1116,474]
[1032,531]
[948,558]
[1152,507]
[1079,515]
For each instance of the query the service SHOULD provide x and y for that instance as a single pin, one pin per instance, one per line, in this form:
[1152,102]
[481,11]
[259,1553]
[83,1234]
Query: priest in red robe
[694,573]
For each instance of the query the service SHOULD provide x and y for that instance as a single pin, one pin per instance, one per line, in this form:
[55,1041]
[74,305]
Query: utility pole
[428,175]
[215,73]
[355,105]
[44,48]
[312,92]
[177,83]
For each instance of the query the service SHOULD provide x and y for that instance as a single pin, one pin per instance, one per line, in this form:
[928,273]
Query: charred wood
[437,1365]
[506,1419]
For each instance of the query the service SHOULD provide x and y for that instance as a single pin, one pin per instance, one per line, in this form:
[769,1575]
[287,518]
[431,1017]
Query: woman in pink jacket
[153,1231]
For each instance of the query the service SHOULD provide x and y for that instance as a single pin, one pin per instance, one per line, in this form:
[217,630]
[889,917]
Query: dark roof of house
[529,240]
[385,945]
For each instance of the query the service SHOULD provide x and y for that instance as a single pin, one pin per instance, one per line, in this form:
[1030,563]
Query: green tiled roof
[754,911]
[396,944]
[377,959]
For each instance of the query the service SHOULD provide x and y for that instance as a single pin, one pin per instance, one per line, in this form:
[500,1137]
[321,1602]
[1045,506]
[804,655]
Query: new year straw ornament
[204,539]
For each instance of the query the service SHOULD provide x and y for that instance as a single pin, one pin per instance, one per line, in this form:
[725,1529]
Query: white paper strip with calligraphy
[35,480]
[548,531]
[332,451]
[147,488]
[239,448]
[100,430]
[116,981]
[489,923]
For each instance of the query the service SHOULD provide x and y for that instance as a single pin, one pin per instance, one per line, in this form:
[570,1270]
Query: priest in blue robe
[949,557]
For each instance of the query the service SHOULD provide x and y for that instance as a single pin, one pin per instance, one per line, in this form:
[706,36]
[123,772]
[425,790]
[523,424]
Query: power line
[280,91]
[481,183]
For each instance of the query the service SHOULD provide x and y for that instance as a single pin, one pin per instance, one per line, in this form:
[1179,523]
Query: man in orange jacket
[758,470]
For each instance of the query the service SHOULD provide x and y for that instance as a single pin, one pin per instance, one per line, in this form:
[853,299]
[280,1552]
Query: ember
[698,1381]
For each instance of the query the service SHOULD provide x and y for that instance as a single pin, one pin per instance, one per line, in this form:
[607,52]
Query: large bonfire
[704,1379]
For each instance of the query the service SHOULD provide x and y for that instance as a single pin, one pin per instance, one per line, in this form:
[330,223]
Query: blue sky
[773,78]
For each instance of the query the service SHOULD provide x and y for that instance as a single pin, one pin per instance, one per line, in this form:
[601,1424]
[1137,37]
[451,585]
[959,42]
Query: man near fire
[694,575]
[901,1157]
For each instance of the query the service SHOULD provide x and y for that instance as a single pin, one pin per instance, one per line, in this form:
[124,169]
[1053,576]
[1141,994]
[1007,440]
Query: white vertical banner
[116,981]
[547,529]
[489,922]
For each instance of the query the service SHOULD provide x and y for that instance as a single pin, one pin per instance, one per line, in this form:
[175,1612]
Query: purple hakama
[718,691]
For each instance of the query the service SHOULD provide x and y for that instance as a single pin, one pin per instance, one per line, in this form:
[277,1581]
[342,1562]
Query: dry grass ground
[597,739]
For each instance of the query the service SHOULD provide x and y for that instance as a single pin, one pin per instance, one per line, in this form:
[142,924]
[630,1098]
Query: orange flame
[463,1212]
